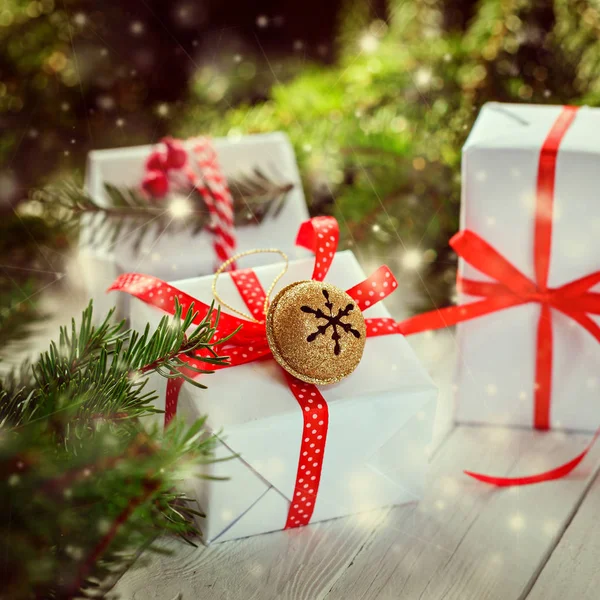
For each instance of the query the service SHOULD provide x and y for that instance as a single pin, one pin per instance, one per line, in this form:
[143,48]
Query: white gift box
[181,254]
[380,422]
[497,352]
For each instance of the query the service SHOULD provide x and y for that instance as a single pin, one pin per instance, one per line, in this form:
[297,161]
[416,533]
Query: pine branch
[131,213]
[256,196]
[78,518]
[86,488]
[128,213]
[150,487]
[98,372]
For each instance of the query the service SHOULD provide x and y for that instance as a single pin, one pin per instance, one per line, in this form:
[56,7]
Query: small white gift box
[380,422]
[181,254]
[496,379]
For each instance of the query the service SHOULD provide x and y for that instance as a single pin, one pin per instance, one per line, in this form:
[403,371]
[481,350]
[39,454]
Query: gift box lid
[260,419]
[503,125]
[499,188]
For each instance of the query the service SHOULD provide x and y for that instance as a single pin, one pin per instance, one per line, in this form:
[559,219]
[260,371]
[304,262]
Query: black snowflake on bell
[332,320]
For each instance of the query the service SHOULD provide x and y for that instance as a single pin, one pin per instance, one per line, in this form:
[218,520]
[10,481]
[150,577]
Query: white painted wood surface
[573,570]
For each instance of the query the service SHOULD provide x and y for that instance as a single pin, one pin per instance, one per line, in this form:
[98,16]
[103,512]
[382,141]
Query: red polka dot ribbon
[321,236]
[312,450]
[251,291]
[379,285]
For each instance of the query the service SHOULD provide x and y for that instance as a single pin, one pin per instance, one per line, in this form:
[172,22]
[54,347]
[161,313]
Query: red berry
[176,154]
[156,162]
[156,184]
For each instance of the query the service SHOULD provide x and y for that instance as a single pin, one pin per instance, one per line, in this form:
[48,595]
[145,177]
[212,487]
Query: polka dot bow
[321,236]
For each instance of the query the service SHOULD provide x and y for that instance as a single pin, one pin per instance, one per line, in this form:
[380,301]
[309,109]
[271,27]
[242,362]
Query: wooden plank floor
[463,541]
[573,568]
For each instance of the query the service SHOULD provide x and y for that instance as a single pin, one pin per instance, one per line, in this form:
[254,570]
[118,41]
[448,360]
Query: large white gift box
[496,375]
[181,254]
[380,422]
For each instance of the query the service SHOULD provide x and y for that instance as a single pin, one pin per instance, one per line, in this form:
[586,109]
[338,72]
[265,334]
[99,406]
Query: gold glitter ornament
[316,332]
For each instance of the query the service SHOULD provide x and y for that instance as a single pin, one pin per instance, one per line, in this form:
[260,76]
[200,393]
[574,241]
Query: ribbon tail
[588,302]
[238,355]
[320,235]
[174,386]
[556,473]
[486,259]
[446,317]
[375,288]
[588,324]
[162,295]
[578,287]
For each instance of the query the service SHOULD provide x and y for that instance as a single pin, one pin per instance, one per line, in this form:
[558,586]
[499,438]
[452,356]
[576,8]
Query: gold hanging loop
[233,259]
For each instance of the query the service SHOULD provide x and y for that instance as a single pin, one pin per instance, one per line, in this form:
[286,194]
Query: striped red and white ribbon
[200,168]
[212,185]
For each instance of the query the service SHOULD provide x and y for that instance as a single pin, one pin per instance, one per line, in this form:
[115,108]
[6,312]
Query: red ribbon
[321,236]
[513,288]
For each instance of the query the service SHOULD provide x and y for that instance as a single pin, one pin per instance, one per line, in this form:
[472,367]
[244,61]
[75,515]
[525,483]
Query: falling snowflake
[333,321]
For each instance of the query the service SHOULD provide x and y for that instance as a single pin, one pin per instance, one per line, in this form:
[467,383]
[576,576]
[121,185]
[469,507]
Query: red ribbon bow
[513,288]
[321,236]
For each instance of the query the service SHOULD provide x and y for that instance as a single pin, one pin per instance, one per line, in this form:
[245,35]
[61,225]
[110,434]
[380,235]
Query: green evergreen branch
[94,372]
[86,487]
[86,515]
[150,487]
[130,212]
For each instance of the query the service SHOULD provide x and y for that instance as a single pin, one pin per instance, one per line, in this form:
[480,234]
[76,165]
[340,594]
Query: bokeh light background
[376,96]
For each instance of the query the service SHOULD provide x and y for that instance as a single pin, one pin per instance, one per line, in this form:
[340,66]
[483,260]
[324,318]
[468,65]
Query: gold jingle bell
[316,332]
